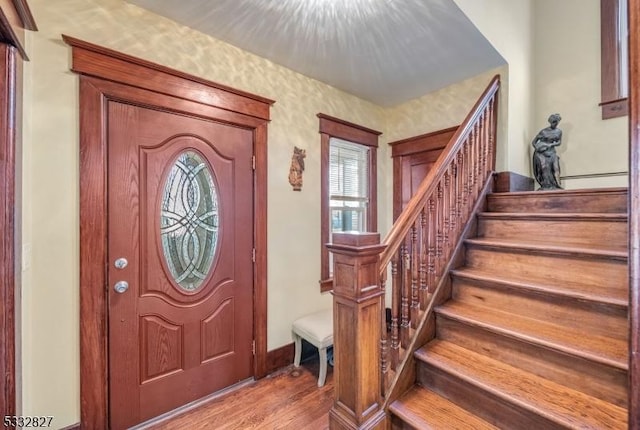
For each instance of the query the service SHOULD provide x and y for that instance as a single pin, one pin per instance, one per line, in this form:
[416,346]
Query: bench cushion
[316,328]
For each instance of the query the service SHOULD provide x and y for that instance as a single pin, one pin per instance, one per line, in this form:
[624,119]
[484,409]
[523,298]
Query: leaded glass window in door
[189,220]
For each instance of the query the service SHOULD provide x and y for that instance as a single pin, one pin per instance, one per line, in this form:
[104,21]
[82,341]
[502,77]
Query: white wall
[553,53]
[567,80]
[508,26]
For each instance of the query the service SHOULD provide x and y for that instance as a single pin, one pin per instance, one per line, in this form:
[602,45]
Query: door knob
[121,286]
[121,263]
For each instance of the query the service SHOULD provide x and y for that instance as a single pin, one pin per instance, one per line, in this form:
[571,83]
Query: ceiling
[384,51]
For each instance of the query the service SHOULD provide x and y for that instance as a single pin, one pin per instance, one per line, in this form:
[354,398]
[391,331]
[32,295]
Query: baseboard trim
[280,357]
[75,426]
[509,182]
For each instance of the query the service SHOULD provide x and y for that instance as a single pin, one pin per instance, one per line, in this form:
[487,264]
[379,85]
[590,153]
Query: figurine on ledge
[546,163]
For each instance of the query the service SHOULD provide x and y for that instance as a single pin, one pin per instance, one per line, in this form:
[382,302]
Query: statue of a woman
[546,163]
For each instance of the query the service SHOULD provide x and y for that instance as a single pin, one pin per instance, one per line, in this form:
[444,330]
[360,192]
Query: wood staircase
[534,335]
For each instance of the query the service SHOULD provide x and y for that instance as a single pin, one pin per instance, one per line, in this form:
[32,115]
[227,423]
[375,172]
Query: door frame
[10,238]
[109,75]
[15,19]
[634,214]
[433,141]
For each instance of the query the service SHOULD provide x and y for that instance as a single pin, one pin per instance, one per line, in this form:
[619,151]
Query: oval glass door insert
[189,220]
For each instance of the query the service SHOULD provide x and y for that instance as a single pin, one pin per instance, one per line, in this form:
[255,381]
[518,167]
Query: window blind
[348,185]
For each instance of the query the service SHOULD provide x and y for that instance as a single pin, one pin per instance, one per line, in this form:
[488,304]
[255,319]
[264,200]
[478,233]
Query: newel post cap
[356,265]
[356,242]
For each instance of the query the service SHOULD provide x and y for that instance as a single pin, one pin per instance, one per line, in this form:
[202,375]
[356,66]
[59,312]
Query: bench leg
[298,349]
[323,366]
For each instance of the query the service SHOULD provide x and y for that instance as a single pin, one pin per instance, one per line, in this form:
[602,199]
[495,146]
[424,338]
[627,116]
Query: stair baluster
[418,248]
[423,257]
[414,258]
[422,240]
[406,284]
[396,281]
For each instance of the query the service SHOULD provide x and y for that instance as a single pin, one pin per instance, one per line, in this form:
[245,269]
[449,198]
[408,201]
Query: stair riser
[480,402]
[593,318]
[596,379]
[600,273]
[611,233]
[398,424]
[613,202]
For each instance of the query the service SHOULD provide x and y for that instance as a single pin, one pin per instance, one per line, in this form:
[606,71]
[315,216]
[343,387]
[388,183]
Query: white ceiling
[384,51]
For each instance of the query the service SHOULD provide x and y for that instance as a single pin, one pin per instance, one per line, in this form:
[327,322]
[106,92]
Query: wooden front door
[413,158]
[180,270]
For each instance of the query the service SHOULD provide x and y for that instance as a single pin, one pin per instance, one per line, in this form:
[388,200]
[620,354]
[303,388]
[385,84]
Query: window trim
[333,127]
[613,105]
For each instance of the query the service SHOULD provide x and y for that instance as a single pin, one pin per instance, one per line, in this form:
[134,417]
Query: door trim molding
[10,237]
[106,75]
[634,212]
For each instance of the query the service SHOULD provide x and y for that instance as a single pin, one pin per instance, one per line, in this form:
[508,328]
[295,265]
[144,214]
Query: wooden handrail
[424,237]
[410,214]
[419,247]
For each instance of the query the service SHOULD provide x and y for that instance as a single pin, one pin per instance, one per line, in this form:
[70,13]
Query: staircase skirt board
[596,379]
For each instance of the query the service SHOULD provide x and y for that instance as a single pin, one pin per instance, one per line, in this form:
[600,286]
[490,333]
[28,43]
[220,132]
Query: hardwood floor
[286,399]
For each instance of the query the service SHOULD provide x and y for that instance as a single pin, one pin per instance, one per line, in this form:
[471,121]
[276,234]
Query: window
[348,190]
[614,58]
[348,185]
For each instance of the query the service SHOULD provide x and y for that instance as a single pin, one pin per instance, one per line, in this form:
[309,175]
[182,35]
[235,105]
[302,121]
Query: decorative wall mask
[297,167]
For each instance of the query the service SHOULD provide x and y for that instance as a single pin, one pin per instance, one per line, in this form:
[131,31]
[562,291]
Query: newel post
[357,312]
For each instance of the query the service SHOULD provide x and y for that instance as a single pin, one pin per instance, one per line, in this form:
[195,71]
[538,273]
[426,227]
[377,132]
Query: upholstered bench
[317,329]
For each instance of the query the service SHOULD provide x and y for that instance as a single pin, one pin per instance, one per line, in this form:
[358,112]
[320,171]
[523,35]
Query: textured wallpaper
[438,110]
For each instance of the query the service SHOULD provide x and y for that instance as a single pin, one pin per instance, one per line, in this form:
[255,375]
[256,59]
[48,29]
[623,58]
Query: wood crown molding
[15,18]
[98,61]
[346,130]
[424,142]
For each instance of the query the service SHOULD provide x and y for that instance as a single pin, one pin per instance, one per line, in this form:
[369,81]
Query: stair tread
[546,246]
[589,191]
[570,216]
[555,402]
[422,408]
[605,350]
[576,290]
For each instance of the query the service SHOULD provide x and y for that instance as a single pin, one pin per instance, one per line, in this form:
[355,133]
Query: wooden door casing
[169,346]
[110,75]
[15,20]
[412,160]
[634,216]
[9,230]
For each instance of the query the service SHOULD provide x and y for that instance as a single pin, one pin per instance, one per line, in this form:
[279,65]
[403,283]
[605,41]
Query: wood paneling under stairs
[534,334]
[288,399]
